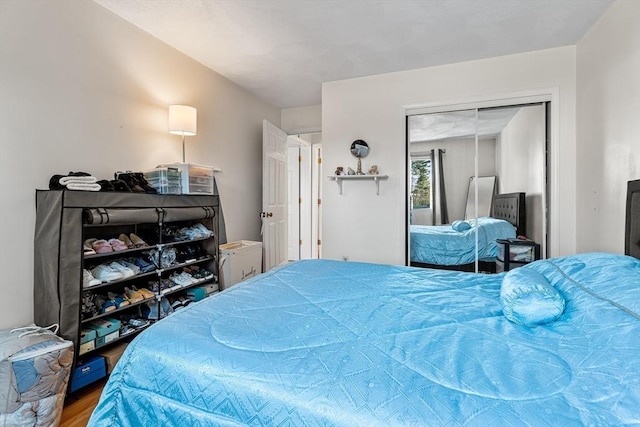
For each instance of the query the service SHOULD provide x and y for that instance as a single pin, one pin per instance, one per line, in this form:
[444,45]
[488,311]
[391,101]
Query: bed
[442,246]
[330,343]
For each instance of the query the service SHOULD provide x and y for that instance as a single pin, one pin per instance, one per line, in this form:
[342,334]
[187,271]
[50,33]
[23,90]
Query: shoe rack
[67,219]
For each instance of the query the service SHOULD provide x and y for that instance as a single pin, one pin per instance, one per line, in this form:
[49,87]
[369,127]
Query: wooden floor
[78,408]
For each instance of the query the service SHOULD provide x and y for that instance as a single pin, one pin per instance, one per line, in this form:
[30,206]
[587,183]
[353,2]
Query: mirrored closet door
[466,169]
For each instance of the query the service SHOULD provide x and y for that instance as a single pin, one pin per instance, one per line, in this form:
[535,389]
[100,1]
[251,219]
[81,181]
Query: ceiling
[459,124]
[283,50]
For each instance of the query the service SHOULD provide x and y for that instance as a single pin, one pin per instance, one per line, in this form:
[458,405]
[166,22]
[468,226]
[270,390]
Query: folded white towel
[83,186]
[65,180]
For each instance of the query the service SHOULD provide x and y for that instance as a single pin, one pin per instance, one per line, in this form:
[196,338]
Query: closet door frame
[548,95]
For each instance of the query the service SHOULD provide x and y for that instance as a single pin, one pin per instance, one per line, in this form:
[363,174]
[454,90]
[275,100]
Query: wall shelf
[375,178]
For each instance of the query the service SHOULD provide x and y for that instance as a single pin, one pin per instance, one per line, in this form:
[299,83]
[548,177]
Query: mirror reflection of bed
[450,151]
[456,246]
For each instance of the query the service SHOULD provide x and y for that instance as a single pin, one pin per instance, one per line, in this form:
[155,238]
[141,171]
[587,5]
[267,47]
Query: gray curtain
[439,195]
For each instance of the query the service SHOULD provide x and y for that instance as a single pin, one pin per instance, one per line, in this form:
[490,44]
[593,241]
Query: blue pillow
[460,225]
[528,299]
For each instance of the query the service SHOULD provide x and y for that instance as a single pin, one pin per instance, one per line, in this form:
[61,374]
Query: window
[421,183]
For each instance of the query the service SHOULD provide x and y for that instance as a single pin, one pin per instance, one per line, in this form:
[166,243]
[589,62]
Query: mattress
[329,343]
[442,245]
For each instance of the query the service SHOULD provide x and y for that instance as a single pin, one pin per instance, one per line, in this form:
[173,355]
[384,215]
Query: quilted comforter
[328,343]
[442,245]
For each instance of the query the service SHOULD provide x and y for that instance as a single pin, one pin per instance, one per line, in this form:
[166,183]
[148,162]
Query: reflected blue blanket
[442,245]
[328,343]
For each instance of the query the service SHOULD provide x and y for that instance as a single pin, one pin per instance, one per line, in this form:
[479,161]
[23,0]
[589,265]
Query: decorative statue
[373,170]
[350,171]
[339,170]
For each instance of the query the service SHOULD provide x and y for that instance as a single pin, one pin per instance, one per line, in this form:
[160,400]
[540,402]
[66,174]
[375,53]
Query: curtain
[440,214]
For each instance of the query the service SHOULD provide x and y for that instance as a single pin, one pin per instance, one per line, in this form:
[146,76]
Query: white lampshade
[183,120]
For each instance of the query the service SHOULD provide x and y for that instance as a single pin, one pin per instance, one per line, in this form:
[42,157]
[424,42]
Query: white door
[274,196]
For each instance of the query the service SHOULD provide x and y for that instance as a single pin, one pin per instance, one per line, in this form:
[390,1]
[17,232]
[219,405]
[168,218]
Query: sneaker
[126,330]
[142,263]
[137,323]
[163,286]
[126,271]
[183,279]
[176,303]
[129,265]
[88,279]
[106,273]
[202,230]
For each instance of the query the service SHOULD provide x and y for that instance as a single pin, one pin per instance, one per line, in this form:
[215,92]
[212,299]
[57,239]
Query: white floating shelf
[375,178]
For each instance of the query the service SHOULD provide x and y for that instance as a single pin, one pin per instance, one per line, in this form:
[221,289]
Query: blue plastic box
[88,371]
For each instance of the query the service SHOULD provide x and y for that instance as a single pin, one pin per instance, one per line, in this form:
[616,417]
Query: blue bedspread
[328,343]
[442,245]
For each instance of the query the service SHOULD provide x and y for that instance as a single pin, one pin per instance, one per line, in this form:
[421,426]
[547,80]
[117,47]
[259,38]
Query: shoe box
[107,329]
[112,355]
[88,371]
[201,292]
[87,340]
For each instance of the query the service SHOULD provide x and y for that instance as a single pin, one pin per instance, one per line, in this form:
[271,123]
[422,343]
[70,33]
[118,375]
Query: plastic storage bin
[34,371]
[167,180]
[240,260]
[514,253]
[195,179]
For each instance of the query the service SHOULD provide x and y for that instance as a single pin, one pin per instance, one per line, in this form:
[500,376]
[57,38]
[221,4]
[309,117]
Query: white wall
[608,131]
[373,108]
[520,153]
[84,90]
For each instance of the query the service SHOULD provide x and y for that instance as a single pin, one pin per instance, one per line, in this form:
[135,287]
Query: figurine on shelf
[339,170]
[350,171]
[373,170]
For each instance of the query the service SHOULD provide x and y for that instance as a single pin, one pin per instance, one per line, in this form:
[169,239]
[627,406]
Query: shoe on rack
[101,246]
[119,300]
[150,310]
[146,293]
[165,307]
[200,273]
[88,280]
[87,249]
[143,263]
[126,240]
[117,244]
[126,330]
[89,308]
[138,323]
[126,263]
[105,304]
[132,296]
[137,241]
[185,300]
[183,279]
[176,303]
[126,271]
[163,286]
[106,273]
[200,228]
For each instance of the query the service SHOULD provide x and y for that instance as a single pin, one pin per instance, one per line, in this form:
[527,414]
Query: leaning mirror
[359,149]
